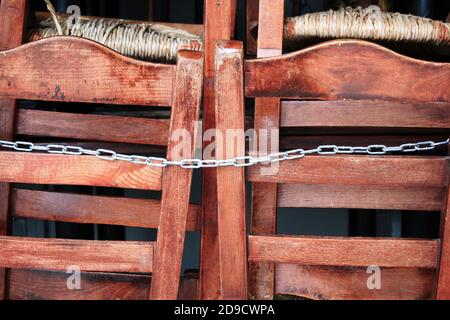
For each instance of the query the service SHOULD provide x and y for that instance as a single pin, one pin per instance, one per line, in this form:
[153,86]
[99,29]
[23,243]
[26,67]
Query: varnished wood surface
[12,26]
[176,181]
[219,22]
[364,114]
[52,285]
[230,112]
[37,168]
[88,255]
[348,69]
[354,197]
[93,127]
[333,251]
[350,283]
[394,171]
[71,69]
[77,208]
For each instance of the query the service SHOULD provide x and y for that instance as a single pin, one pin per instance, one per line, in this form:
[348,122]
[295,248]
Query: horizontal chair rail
[52,285]
[398,171]
[35,168]
[350,283]
[358,252]
[350,197]
[364,114]
[93,127]
[71,69]
[347,69]
[88,255]
[75,208]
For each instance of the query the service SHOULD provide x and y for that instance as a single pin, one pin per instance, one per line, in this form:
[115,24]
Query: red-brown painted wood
[12,26]
[364,114]
[219,24]
[88,255]
[231,180]
[77,208]
[358,252]
[176,180]
[266,124]
[93,127]
[365,71]
[72,69]
[350,197]
[52,285]
[37,168]
[350,283]
[394,171]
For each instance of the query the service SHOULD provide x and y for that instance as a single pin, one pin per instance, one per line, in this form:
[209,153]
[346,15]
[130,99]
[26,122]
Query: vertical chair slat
[267,122]
[12,26]
[176,180]
[230,180]
[219,21]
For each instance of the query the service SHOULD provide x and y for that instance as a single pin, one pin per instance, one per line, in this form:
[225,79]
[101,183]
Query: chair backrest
[67,69]
[348,84]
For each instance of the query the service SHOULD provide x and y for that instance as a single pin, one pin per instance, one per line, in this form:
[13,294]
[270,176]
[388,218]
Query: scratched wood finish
[76,208]
[88,255]
[370,72]
[72,69]
[219,24]
[251,17]
[93,127]
[230,180]
[349,197]
[12,26]
[364,114]
[176,180]
[36,168]
[52,285]
[358,252]
[266,124]
[443,282]
[359,171]
[350,283]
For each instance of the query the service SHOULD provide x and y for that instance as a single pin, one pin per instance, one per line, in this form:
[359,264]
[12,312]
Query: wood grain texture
[219,24]
[36,168]
[251,17]
[72,69]
[358,252]
[364,114]
[12,26]
[443,280]
[362,73]
[88,255]
[93,127]
[230,180]
[400,171]
[266,124]
[350,283]
[176,180]
[52,285]
[76,208]
[349,197]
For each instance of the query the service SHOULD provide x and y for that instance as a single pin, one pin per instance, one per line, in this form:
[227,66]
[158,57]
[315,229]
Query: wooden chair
[77,70]
[339,84]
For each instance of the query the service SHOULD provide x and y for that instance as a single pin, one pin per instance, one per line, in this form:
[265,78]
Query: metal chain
[246,161]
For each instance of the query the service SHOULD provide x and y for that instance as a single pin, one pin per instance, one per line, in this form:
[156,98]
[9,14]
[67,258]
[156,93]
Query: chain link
[110,155]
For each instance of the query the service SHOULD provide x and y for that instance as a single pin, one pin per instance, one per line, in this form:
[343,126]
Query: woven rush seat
[368,24]
[144,41]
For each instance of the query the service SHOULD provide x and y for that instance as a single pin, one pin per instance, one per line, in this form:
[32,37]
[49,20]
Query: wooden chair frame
[93,73]
[404,98]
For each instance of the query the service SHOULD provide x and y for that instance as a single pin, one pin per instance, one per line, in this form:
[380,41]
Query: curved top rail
[348,69]
[72,69]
